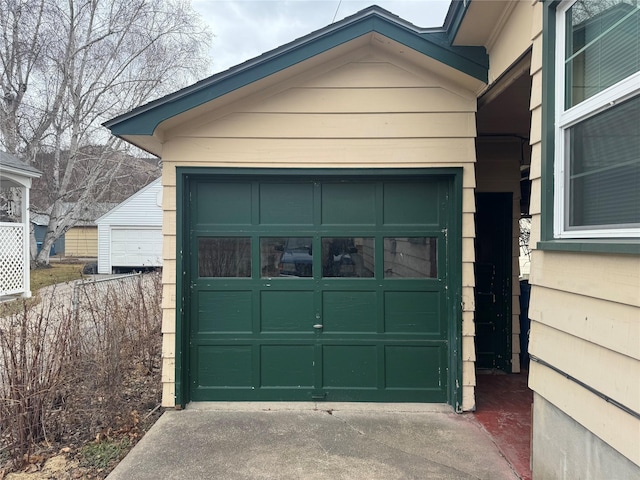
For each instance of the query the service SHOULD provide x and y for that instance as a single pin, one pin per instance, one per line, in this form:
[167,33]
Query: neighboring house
[81,240]
[15,180]
[130,235]
[377,146]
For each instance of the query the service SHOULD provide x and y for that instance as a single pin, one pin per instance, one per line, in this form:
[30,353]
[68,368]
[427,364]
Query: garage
[130,234]
[318,220]
[319,288]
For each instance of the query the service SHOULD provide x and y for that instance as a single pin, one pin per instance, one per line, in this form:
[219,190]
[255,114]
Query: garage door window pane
[347,257]
[224,257]
[286,257]
[410,257]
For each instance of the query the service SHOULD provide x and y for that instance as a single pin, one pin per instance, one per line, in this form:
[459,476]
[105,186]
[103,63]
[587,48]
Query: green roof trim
[433,43]
[455,15]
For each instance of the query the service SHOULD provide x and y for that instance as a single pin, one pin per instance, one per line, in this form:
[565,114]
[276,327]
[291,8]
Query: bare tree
[69,65]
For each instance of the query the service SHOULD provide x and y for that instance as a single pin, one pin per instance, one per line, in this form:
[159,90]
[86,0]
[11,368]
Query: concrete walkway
[314,441]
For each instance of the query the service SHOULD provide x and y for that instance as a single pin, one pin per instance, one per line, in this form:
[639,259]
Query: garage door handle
[318,326]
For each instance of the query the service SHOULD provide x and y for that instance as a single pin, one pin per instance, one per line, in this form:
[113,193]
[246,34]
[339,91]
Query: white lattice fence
[11,258]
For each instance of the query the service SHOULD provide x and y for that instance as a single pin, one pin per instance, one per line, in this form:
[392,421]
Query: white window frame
[564,120]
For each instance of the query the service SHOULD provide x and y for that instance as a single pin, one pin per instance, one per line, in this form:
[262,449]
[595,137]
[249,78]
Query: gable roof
[432,42]
[123,205]
[87,216]
[12,164]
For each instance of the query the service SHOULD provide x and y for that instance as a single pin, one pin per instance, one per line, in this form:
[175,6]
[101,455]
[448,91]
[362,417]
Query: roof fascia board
[6,169]
[472,61]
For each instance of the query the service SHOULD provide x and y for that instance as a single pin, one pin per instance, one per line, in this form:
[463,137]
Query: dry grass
[55,273]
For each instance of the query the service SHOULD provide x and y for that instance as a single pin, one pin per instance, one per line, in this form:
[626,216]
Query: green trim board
[548,120]
[334,352]
[472,61]
[457,11]
[621,247]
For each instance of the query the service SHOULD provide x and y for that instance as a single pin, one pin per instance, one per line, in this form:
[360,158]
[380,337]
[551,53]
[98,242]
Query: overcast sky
[244,29]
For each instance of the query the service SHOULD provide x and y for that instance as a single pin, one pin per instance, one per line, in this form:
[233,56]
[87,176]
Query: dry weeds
[79,376]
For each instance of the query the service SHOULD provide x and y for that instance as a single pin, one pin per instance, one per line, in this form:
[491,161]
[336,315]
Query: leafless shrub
[69,368]
[34,342]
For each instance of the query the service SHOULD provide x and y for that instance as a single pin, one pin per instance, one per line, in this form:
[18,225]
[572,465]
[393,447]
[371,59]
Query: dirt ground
[94,458]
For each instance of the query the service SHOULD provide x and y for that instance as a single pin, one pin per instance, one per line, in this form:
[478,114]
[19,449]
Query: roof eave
[29,173]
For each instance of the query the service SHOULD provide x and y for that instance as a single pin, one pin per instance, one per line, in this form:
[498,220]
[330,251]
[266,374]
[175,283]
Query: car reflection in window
[286,257]
[347,257]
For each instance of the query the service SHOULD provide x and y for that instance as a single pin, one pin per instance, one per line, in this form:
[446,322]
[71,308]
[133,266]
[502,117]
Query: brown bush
[67,364]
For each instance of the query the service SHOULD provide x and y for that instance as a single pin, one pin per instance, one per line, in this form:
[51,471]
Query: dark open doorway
[493,280]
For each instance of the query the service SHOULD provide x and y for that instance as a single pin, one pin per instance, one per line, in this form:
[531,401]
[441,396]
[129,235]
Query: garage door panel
[223,366]
[286,204]
[224,312]
[411,203]
[224,204]
[286,366]
[287,311]
[350,311]
[414,312]
[348,204]
[349,366]
[415,367]
[136,247]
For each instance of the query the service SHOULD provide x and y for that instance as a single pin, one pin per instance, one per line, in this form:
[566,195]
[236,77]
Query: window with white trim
[597,119]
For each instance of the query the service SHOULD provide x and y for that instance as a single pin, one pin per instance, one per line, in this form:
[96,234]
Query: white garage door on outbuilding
[136,247]
[130,235]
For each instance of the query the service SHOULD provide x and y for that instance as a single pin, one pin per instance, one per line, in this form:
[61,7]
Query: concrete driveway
[314,441]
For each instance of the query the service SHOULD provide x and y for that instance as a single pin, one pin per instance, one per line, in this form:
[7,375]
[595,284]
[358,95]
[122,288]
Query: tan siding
[615,278]
[468,328]
[81,242]
[597,371]
[336,100]
[168,177]
[367,112]
[334,125]
[169,222]
[373,152]
[614,326]
[468,250]
[536,154]
[511,41]
[375,72]
[169,198]
[604,419]
[168,321]
[585,314]
[169,247]
[168,387]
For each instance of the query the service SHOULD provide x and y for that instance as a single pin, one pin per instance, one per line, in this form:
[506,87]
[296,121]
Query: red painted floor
[503,407]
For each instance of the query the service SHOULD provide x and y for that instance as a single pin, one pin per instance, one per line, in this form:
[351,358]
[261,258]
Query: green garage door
[317,288]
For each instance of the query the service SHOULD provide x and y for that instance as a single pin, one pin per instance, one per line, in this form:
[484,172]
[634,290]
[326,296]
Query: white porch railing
[12,258]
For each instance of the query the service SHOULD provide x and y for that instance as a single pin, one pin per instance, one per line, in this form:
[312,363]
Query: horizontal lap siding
[81,242]
[367,112]
[585,316]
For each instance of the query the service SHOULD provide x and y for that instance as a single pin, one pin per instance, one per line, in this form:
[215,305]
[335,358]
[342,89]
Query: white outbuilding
[130,235]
